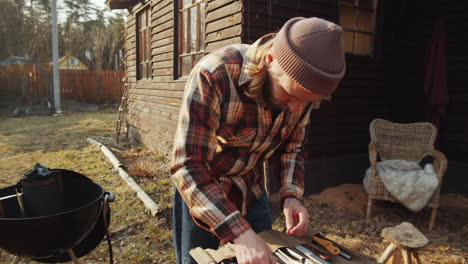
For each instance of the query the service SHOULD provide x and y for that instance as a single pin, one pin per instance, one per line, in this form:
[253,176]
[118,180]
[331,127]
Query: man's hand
[296,217]
[251,249]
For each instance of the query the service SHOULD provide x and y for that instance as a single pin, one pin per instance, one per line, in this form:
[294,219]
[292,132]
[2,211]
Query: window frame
[181,36]
[354,29]
[143,32]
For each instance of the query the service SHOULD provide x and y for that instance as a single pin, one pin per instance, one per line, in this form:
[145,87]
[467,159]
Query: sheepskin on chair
[407,181]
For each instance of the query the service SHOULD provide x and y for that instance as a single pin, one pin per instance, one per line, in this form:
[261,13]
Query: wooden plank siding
[223,24]
[154,103]
[387,85]
[232,22]
[341,126]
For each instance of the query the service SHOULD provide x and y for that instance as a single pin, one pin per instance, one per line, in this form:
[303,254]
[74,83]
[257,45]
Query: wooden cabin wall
[454,129]
[341,126]
[408,49]
[154,103]
[266,16]
[408,40]
[339,132]
[223,23]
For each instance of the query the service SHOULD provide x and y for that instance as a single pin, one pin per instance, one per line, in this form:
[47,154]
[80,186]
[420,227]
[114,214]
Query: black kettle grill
[53,215]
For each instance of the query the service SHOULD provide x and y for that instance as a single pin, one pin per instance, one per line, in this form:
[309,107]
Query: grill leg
[73,257]
[15,260]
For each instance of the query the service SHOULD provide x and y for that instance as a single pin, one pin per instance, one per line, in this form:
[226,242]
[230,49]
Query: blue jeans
[187,235]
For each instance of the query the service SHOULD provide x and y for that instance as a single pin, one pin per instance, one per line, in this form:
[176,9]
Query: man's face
[283,93]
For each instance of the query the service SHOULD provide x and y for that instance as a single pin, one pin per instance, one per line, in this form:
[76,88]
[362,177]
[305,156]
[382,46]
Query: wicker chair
[411,142]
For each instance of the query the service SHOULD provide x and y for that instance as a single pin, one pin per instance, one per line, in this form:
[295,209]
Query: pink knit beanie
[311,52]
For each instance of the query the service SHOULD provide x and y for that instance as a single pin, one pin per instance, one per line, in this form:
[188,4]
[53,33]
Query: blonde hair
[256,67]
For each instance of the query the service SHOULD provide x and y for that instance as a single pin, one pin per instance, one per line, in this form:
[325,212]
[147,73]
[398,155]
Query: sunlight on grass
[25,141]
[49,134]
[60,143]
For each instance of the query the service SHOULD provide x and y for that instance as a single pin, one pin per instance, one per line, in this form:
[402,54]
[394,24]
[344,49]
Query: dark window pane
[144,44]
[366,21]
[348,17]
[363,44]
[180,34]
[186,65]
[185,48]
[202,27]
[349,2]
[367,4]
[148,44]
[193,29]
[198,58]
[348,41]
[148,70]
[357,21]
[143,71]
[191,34]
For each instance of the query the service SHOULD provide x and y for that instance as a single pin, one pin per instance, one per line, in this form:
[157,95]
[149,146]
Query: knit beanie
[311,52]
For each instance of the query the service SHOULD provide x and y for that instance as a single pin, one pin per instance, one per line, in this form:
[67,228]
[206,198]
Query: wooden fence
[30,84]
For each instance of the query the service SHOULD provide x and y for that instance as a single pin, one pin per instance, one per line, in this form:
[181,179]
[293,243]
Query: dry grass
[60,142]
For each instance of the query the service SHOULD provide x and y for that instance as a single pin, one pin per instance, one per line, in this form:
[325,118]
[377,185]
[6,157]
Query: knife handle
[327,244]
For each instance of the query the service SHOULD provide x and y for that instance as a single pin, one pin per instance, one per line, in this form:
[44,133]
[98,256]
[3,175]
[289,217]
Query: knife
[311,255]
[331,247]
[300,257]
[278,259]
[286,258]
[316,251]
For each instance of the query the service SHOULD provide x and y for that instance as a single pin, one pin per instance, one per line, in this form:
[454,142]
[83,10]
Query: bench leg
[416,257]
[387,253]
[406,257]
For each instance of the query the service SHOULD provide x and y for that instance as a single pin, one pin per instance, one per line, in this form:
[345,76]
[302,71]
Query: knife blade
[296,255]
[278,259]
[286,258]
[311,255]
[316,251]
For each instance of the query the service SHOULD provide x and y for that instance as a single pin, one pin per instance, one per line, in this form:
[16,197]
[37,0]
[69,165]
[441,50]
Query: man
[241,105]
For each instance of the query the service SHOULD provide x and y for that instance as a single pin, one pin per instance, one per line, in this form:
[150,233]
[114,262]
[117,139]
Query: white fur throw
[408,182]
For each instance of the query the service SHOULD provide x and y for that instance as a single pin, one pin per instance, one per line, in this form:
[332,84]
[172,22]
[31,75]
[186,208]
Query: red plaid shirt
[223,135]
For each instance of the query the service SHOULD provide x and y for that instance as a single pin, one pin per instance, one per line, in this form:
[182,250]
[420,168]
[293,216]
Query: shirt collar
[243,78]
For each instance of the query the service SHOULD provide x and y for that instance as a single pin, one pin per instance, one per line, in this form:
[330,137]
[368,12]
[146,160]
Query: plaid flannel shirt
[223,135]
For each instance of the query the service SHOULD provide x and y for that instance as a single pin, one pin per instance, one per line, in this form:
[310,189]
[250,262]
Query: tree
[25,30]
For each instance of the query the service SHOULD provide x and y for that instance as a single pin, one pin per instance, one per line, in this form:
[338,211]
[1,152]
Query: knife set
[313,248]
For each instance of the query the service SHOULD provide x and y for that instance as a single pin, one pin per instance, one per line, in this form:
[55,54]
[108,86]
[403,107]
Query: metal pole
[57,106]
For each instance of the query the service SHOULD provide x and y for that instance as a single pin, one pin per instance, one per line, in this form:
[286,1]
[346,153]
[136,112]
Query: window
[191,38]
[357,17]
[144,44]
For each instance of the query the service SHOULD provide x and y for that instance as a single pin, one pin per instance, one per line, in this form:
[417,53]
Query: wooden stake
[149,203]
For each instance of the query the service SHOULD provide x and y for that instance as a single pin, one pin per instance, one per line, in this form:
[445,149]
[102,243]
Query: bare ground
[137,237]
